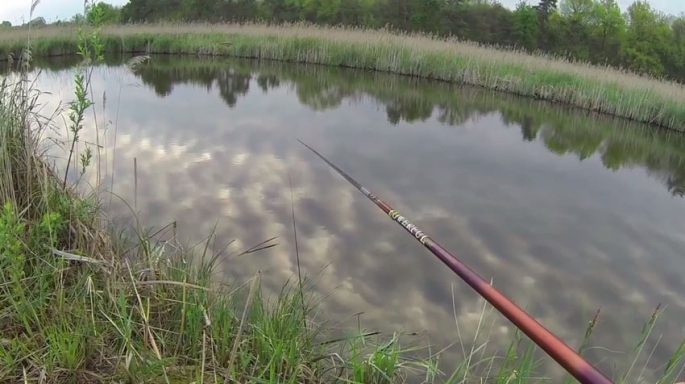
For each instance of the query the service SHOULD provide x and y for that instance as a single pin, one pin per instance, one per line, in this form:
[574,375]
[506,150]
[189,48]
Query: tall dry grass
[602,89]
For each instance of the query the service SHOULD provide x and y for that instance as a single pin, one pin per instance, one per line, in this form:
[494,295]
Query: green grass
[599,89]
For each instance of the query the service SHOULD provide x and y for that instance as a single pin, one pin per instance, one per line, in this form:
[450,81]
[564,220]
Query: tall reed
[595,88]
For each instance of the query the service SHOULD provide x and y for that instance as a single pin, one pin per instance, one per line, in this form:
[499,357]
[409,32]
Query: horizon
[17,11]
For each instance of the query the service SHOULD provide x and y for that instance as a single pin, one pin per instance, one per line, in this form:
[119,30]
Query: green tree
[577,15]
[204,10]
[423,15]
[608,33]
[396,13]
[279,10]
[354,12]
[77,19]
[586,30]
[647,40]
[452,21]
[152,10]
[309,9]
[321,11]
[678,30]
[107,13]
[553,38]
[237,10]
[526,28]
[5,24]
[545,9]
[478,21]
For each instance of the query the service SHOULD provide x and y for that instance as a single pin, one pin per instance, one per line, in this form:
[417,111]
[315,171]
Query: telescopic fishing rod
[578,367]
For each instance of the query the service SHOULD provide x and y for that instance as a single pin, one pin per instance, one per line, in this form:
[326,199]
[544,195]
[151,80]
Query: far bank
[580,85]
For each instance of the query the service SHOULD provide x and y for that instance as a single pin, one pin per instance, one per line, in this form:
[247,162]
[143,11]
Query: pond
[565,211]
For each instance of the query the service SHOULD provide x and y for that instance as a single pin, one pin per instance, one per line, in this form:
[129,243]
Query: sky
[16,11]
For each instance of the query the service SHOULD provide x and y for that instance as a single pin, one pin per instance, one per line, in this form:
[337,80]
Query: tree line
[596,31]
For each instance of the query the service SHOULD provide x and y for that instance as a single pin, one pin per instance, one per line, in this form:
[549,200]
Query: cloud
[13,10]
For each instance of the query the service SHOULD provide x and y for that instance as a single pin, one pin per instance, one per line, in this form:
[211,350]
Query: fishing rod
[578,367]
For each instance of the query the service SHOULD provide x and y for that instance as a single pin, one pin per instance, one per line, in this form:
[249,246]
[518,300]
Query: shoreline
[582,86]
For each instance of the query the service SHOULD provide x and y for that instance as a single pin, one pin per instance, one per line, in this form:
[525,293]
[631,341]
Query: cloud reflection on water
[496,179]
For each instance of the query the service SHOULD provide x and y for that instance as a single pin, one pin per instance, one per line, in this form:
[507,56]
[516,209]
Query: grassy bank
[77,305]
[580,85]
[80,306]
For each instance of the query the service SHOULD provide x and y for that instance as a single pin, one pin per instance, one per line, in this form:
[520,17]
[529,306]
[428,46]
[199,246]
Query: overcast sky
[17,10]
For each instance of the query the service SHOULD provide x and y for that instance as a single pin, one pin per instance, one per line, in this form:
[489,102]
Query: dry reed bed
[601,89]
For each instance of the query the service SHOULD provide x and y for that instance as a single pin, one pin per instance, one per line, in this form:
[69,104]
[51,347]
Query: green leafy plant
[90,48]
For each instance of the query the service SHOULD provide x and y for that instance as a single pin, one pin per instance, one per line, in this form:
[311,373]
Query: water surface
[565,211]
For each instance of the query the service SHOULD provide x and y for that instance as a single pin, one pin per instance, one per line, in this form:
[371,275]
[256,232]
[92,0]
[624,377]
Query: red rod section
[578,367]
